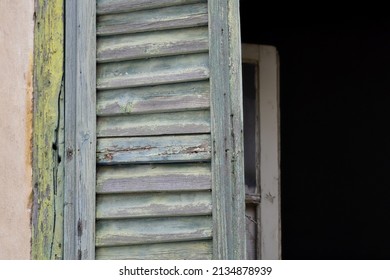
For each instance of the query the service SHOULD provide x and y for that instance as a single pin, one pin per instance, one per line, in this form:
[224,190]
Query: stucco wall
[16,52]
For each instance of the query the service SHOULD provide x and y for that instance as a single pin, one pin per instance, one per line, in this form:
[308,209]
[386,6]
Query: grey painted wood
[117,206]
[236,120]
[153,178]
[86,129]
[155,99]
[152,230]
[120,6]
[251,231]
[153,20]
[153,127]
[153,149]
[252,198]
[154,71]
[192,250]
[152,44]
[154,124]
[70,130]
[227,127]
[81,147]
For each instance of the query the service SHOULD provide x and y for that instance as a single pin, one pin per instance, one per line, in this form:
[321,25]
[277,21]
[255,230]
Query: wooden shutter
[168,130]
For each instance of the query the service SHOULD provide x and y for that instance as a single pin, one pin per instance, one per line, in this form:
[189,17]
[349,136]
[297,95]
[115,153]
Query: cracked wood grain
[80,106]
[152,44]
[153,178]
[191,250]
[154,99]
[153,71]
[227,130]
[153,129]
[146,205]
[184,148]
[191,122]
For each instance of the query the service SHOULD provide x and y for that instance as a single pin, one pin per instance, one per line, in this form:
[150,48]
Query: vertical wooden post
[48,143]
[80,129]
[227,130]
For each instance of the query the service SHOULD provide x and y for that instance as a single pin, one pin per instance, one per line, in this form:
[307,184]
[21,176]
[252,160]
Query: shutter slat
[193,250]
[153,20]
[153,230]
[117,206]
[152,44]
[156,99]
[153,178]
[145,72]
[120,6]
[154,124]
[153,149]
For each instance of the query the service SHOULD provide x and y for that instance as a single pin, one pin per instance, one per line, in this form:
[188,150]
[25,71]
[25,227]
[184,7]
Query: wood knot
[69,153]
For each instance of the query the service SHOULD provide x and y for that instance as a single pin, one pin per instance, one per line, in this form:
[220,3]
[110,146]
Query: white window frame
[266,60]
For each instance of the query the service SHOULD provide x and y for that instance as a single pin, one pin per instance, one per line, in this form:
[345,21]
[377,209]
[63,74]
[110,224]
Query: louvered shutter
[168,132]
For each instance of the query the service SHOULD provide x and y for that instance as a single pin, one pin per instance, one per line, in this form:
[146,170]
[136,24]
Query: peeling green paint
[48,137]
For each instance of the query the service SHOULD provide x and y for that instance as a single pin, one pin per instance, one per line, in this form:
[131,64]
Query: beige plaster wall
[16,53]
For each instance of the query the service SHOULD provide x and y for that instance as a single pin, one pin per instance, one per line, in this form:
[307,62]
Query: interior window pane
[249,90]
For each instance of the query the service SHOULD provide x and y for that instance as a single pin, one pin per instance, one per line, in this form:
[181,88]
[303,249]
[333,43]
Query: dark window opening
[335,148]
[250,99]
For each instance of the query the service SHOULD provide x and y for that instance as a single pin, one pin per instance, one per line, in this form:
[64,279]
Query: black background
[335,145]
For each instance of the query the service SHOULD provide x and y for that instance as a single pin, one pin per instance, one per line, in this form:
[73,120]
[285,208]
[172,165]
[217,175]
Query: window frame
[266,60]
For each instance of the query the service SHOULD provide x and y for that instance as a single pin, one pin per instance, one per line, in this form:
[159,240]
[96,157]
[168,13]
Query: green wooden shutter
[169,180]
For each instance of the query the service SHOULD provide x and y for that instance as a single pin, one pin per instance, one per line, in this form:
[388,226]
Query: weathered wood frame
[227,130]
[270,222]
[75,221]
[267,148]
[48,122]
[80,129]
